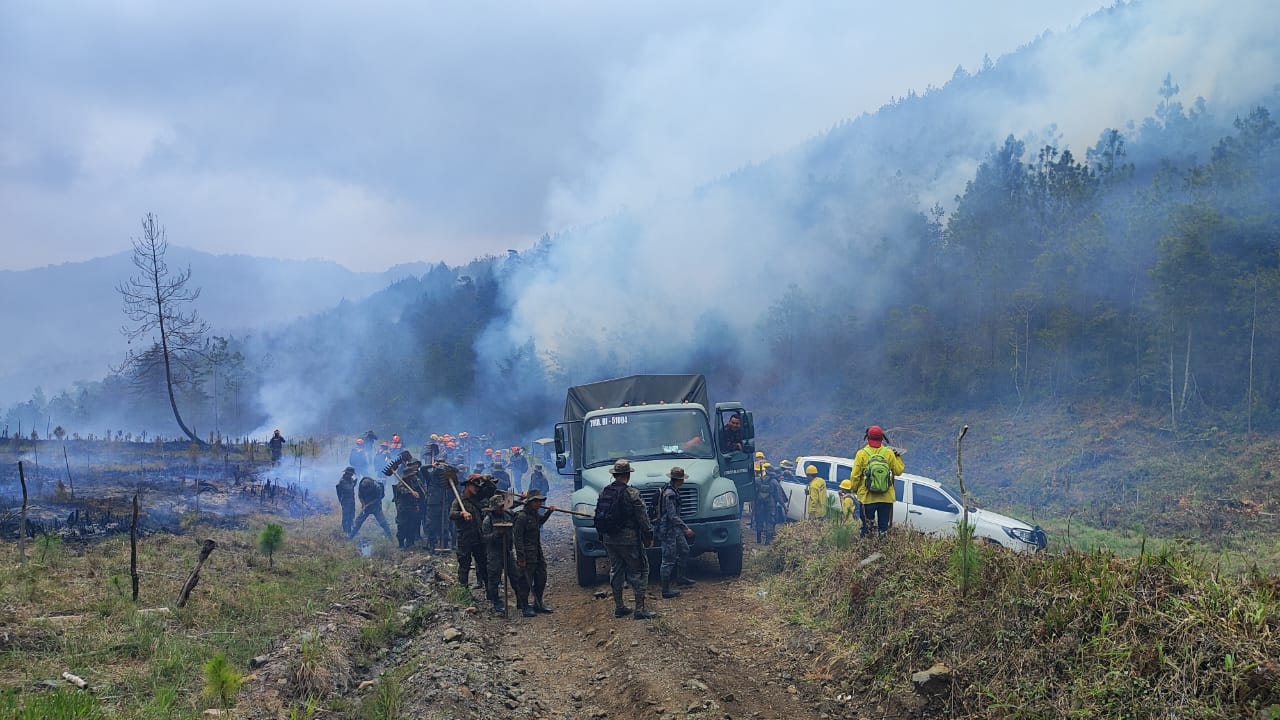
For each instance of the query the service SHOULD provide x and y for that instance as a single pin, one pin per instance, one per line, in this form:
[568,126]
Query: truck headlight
[585,508]
[724,501]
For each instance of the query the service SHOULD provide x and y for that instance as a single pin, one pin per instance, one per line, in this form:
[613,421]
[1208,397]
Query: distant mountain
[62,322]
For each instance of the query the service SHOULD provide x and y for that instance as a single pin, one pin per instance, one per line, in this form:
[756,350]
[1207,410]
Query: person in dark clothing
[501,478]
[731,435]
[357,458]
[433,497]
[276,443]
[496,532]
[628,559]
[346,488]
[538,480]
[529,557]
[371,492]
[466,520]
[674,534]
[407,496]
[519,466]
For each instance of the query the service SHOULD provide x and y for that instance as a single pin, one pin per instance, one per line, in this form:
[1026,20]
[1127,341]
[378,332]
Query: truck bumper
[709,536]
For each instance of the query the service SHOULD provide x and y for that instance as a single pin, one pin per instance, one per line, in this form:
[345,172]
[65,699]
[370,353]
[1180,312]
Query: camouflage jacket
[528,535]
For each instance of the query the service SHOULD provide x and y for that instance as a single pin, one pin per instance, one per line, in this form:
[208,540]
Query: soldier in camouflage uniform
[346,489]
[628,560]
[466,520]
[674,535]
[529,557]
[496,532]
[407,496]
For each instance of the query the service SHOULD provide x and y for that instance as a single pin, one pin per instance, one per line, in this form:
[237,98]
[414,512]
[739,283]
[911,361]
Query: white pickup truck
[923,504]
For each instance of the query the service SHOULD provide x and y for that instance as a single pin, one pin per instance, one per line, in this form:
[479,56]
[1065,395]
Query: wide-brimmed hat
[349,471]
[496,501]
[476,480]
[621,467]
[534,494]
[677,473]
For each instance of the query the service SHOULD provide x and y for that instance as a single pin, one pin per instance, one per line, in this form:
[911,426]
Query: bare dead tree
[155,301]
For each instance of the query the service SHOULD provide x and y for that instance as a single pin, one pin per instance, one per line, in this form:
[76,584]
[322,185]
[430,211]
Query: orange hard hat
[515,448]
[395,438]
[488,451]
[359,441]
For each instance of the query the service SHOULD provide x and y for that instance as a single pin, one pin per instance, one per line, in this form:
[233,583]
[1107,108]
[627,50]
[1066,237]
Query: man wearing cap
[496,532]
[529,558]
[674,534]
[877,508]
[346,488]
[466,521]
[628,561]
[538,479]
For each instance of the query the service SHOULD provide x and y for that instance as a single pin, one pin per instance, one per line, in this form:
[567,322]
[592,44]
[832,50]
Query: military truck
[657,422]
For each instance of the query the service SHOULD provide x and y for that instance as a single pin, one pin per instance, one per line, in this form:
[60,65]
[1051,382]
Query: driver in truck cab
[731,435]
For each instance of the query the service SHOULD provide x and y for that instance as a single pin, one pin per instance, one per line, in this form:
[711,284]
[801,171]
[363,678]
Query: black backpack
[611,509]
[655,510]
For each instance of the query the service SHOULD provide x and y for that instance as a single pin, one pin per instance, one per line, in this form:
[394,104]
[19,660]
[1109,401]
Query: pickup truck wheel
[586,567]
[730,561]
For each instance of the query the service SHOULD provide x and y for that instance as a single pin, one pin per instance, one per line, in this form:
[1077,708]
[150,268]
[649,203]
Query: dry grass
[1077,634]
[71,611]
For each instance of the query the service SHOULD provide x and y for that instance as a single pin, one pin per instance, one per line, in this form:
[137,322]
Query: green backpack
[878,477]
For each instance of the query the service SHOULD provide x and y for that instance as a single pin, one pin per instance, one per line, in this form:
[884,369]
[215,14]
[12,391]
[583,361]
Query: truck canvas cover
[635,390]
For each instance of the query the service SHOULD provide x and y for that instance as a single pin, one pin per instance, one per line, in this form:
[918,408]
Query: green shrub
[221,681]
[270,540]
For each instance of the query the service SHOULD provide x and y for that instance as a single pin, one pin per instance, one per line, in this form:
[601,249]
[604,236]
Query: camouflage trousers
[675,553]
[497,565]
[628,563]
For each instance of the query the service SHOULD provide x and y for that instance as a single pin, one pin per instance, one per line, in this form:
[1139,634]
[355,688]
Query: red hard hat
[488,451]
[515,448]
[395,438]
[359,441]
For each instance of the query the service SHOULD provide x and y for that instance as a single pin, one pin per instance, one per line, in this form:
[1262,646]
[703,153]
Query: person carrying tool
[495,530]
[527,533]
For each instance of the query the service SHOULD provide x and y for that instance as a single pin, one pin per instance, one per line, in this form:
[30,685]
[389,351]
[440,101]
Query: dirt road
[716,651]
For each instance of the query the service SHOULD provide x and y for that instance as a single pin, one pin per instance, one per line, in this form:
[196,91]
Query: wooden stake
[70,483]
[205,551]
[22,522]
[133,548]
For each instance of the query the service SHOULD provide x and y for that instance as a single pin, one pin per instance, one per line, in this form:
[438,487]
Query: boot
[620,610]
[526,609]
[539,606]
[641,614]
[667,592]
[499,607]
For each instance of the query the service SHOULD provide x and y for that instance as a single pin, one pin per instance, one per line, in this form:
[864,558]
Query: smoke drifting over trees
[1094,216]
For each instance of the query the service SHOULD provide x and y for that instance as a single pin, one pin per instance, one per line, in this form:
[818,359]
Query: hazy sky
[376,133]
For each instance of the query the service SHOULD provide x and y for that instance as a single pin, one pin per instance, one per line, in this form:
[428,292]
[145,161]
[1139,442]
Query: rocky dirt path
[719,651]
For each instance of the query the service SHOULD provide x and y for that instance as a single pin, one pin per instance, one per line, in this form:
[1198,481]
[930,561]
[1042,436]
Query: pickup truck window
[926,496]
[646,436]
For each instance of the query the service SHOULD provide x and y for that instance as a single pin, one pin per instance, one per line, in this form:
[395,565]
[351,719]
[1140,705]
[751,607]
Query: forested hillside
[918,258]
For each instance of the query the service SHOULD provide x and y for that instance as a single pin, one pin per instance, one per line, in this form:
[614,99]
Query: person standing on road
[496,531]
[519,466]
[538,479]
[371,493]
[346,488]
[674,535]
[817,493]
[874,460]
[529,557]
[626,546]
[466,520]
[277,446]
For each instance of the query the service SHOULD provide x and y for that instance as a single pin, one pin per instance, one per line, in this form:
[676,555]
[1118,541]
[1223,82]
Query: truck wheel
[730,561]
[586,567]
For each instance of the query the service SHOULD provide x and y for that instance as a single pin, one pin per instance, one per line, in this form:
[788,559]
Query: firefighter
[519,466]
[817,493]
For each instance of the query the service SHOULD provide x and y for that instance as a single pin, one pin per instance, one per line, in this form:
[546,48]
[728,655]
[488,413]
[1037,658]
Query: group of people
[769,506]
[622,519]
[475,517]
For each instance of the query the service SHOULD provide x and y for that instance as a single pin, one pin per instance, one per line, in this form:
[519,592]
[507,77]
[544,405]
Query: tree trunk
[1186,373]
[1253,334]
[1173,405]
[22,520]
[133,549]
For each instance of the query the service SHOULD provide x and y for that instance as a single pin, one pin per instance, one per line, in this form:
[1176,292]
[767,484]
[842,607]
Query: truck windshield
[646,435]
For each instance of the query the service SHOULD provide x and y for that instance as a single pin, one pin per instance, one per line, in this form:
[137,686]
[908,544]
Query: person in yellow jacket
[877,507]
[848,508]
[817,492]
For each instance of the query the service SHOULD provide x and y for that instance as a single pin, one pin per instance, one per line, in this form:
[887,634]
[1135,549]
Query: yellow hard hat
[765,465]
[811,470]
[759,454]
[846,484]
